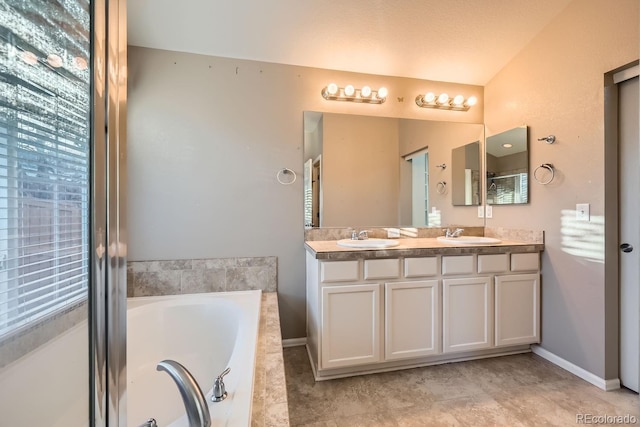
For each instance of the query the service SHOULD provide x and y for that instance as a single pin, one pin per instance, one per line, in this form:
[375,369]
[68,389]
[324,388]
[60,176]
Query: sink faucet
[194,401]
[363,235]
[456,233]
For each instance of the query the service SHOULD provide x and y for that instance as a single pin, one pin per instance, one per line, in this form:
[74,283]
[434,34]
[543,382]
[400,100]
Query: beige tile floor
[520,390]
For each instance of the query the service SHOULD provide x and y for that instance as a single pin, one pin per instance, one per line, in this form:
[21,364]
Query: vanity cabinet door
[351,320]
[412,319]
[517,309]
[467,314]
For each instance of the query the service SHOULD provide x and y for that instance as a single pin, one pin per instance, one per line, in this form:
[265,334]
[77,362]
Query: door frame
[611,228]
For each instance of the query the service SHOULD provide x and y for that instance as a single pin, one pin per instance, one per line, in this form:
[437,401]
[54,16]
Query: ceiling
[461,41]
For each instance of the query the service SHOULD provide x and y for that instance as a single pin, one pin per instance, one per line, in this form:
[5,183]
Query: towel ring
[441,187]
[547,166]
[286,176]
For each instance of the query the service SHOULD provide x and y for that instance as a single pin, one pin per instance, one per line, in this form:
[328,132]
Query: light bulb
[458,100]
[349,90]
[332,89]
[430,97]
[80,63]
[29,57]
[54,60]
[365,91]
[443,98]
[471,101]
[507,145]
[383,92]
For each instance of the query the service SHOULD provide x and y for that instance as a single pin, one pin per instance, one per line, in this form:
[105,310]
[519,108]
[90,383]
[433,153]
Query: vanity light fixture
[367,95]
[445,102]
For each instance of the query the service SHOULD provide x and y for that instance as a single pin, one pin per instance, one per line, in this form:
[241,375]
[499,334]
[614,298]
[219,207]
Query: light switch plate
[582,212]
[480,211]
[489,212]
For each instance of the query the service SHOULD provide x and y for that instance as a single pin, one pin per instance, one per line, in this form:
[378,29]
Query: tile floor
[520,390]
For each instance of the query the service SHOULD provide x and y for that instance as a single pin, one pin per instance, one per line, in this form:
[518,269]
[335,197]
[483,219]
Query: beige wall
[360,172]
[206,138]
[556,86]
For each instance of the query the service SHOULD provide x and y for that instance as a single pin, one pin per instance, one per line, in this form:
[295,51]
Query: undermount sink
[469,240]
[368,243]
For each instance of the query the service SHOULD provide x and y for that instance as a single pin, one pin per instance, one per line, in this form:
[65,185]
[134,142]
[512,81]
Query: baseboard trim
[576,370]
[294,342]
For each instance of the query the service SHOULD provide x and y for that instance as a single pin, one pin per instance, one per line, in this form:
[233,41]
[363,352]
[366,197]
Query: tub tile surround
[174,277]
[270,406]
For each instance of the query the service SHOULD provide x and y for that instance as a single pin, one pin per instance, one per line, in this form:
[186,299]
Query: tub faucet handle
[219,391]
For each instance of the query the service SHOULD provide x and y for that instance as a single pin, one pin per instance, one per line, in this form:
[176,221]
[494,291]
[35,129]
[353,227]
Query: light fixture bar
[444,102]
[349,93]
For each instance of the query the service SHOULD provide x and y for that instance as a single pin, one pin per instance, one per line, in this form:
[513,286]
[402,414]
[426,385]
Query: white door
[350,325]
[412,319]
[629,235]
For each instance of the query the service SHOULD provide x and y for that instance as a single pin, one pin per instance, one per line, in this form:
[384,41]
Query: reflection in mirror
[507,164]
[363,171]
[465,175]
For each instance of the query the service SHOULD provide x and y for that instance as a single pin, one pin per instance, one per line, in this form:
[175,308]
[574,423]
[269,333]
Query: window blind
[44,169]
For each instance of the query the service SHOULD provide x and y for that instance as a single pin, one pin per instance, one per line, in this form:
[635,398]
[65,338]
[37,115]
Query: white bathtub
[206,333]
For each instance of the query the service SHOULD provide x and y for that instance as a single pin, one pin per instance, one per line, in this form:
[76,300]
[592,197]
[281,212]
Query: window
[44,160]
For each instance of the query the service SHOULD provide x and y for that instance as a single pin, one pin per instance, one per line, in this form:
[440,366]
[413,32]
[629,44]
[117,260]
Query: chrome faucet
[194,401]
[363,235]
[456,233]
[219,390]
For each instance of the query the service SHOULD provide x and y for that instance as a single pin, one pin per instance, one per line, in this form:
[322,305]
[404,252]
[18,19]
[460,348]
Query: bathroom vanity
[418,303]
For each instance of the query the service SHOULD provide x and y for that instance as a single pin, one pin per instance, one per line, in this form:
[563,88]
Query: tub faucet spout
[194,401]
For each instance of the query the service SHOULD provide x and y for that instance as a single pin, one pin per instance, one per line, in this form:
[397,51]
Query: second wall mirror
[507,165]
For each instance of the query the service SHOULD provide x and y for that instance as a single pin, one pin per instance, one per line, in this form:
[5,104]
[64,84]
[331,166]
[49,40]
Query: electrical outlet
[480,211]
[488,211]
[582,212]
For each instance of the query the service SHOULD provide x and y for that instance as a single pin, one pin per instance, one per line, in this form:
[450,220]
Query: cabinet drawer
[493,263]
[457,264]
[417,267]
[525,262]
[339,271]
[381,268]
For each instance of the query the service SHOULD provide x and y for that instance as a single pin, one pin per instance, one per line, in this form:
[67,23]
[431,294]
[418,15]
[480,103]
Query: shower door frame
[108,287]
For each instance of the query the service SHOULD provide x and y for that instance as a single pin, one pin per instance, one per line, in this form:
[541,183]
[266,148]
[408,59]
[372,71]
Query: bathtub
[206,333]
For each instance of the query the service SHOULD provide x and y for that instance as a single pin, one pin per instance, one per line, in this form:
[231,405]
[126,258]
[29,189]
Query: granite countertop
[329,249]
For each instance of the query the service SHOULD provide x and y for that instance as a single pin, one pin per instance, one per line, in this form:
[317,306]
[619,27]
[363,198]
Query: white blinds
[44,166]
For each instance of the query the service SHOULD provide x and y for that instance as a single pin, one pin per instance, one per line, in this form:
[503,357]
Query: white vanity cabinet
[368,314]
[467,311]
[412,319]
[350,325]
[517,309]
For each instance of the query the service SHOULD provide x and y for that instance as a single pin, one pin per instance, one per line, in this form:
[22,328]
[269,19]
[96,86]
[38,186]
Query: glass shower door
[45,237]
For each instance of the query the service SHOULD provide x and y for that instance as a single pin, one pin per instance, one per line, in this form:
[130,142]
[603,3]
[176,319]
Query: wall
[360,171]
[556,86]
[206,137]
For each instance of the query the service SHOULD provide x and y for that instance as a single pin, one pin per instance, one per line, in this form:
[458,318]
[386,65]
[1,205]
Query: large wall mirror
[507,163]
[378,171]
